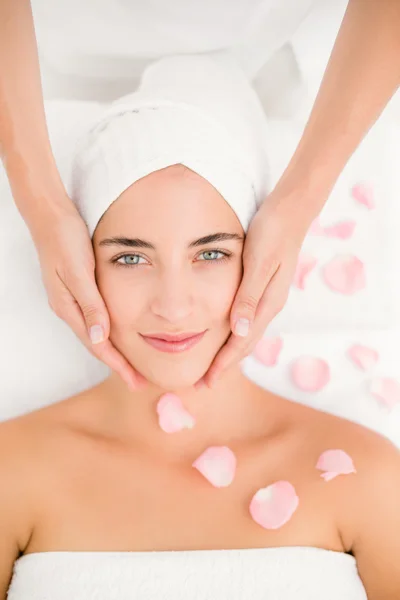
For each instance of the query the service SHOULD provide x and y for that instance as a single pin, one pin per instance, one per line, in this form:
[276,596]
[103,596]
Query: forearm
[362,75]
[24,142]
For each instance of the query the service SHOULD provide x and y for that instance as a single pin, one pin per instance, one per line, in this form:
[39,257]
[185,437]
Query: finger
[104,351]
[271,303]
[200,384]
[256,277]
[107,353]
[229,354]
[71,313]
[83,288]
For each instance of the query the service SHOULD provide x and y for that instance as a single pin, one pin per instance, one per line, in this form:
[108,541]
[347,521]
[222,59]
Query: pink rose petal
[217,464]
[267,350]
[343,230]
[334,463]
[305,265]
[386,390]
[172,415]
[316,228]
[363,357]
[363,194]
[310,374]
[272,506]
[345,274]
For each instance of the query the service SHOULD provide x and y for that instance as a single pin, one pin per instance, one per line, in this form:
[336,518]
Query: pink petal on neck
[172,415]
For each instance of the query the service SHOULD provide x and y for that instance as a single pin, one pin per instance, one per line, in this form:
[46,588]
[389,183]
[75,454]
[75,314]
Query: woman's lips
[181,346]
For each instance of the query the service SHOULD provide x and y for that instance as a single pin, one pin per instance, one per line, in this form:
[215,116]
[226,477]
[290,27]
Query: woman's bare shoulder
[376,461]
[367,447]
[17,471]
[25,439]
[26,456]
[369,503]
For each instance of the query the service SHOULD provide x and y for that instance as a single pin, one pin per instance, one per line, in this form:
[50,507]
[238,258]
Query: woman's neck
[235,411]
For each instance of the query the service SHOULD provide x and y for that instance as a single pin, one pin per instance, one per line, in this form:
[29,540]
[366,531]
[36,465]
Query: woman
[361,77]
[160,492]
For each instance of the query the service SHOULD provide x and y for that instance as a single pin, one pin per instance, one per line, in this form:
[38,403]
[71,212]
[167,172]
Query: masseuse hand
[67,263]
[270,254]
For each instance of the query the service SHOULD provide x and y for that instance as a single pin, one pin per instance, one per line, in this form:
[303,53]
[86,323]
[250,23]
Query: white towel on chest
[286,573]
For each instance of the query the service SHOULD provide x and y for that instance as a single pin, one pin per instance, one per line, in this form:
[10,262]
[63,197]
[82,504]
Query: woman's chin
[173,381]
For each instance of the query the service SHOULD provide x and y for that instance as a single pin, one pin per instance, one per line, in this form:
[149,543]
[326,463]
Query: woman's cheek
[229,285]
[123,298]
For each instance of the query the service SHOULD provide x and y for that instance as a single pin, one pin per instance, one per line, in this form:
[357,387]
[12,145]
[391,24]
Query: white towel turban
[197,110]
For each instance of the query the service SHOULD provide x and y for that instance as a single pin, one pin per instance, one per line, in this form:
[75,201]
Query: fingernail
[242,327]
[96,334]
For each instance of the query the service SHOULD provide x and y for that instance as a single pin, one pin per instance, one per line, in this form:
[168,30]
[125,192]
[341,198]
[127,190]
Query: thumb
[255,280]
[93,308]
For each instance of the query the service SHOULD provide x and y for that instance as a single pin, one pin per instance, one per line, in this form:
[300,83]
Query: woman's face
[180,284]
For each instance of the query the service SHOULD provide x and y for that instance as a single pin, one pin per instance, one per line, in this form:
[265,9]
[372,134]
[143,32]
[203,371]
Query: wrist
[308,187]
[36,186]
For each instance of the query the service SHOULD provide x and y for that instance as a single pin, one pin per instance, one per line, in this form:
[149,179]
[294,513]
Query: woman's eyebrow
[138,243]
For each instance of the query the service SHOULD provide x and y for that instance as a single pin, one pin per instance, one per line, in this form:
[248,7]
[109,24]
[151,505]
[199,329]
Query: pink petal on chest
[273,506]
[217,464]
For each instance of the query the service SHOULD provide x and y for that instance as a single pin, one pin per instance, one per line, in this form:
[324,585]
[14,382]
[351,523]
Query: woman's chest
[113,502]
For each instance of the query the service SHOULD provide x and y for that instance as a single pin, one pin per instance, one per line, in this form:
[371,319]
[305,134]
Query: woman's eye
[209,253]
[132,260]
[128,262]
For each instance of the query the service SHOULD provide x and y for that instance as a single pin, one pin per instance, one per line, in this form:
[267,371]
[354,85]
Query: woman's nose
[173,298]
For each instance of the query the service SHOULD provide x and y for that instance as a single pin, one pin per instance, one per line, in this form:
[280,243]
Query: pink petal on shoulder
[386,390]
[363,194]
[363,357]
[172,415]
[343,230]
[309,373]
[267,350]
[334,463]
[217,464]
[305,265]
[344,274]
[272,506]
